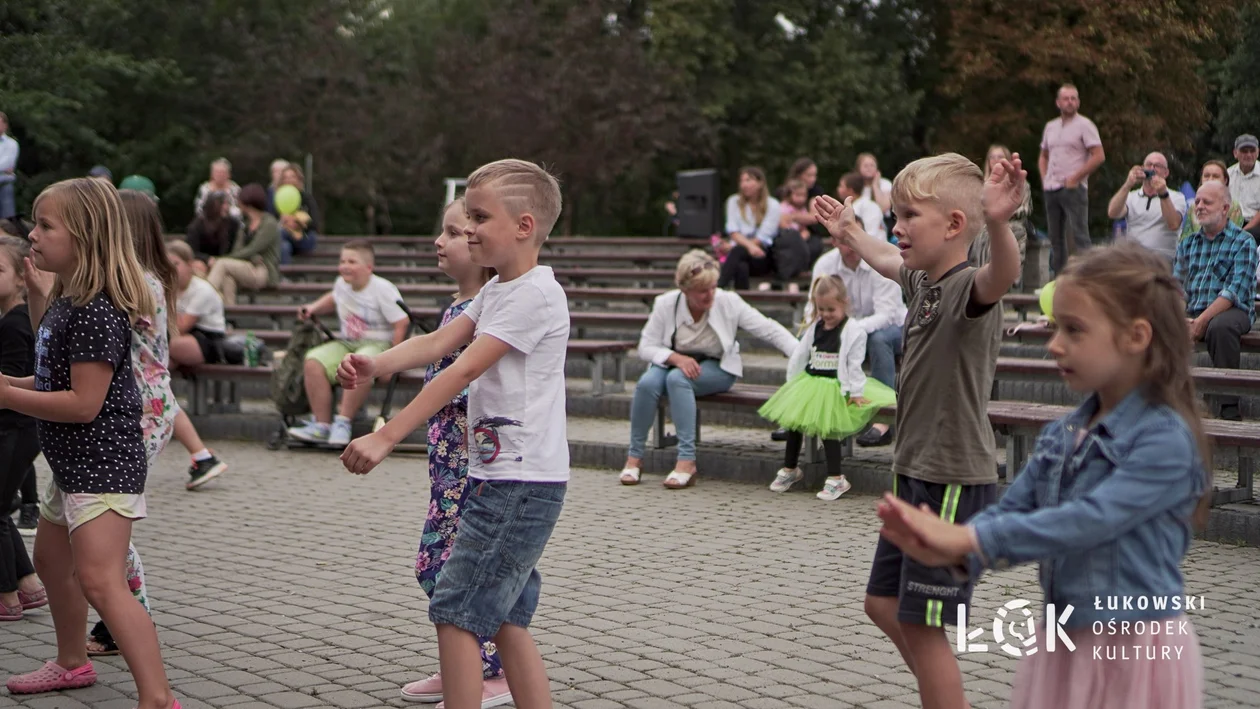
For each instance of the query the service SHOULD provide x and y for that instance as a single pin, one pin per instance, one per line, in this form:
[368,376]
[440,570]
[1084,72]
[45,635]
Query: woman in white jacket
[827,394]
[690,341]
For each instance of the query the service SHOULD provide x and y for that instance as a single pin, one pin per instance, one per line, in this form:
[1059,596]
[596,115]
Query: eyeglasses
[695,270]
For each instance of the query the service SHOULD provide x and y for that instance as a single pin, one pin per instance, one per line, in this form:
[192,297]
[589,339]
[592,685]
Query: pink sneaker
[426,691]
[494,692]
[51,678]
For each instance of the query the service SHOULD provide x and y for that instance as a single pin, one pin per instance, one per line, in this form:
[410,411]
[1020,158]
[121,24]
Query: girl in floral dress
[448,461]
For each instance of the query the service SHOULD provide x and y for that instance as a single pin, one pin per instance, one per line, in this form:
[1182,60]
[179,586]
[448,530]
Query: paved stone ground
[288,583]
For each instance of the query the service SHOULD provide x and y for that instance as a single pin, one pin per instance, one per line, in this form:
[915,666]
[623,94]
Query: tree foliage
[390,96]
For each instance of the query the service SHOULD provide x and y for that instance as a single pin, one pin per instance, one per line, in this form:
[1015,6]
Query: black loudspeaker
[699,203]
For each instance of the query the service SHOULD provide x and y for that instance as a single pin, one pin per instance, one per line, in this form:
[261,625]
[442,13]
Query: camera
[1149,173]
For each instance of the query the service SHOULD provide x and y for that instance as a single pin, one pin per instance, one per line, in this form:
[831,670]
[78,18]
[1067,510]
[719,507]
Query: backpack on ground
[288,390]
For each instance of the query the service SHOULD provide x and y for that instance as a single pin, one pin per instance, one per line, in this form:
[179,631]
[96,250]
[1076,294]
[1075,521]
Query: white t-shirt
[516,414]
[1245,189]
[871,216]
[202,300]
[368,314]
[1145,220]
[885,185]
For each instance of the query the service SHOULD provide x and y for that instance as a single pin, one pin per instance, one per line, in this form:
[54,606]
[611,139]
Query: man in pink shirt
[1070,151]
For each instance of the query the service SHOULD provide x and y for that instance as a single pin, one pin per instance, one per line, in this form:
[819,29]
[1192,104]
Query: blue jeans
[490,577]
[290,246]
[8,207]
[682,403]
[882,348]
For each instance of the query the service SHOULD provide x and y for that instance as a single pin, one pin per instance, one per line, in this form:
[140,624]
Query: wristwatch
[1163,195]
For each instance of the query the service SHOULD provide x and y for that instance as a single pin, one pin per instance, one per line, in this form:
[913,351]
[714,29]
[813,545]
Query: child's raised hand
[834,216]
[38,283]
[1004,190]
[364,454]
[356,370]
[921,534]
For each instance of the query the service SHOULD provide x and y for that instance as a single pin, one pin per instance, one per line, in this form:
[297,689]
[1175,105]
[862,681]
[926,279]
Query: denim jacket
[1107,519]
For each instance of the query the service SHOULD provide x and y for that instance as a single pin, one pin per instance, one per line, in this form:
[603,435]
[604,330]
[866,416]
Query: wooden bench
[281,315]
[1207,380]
[1039,333]
[1020,421]
[395,257]
[328,273]
[214,385]
[1025,303]
[554,242]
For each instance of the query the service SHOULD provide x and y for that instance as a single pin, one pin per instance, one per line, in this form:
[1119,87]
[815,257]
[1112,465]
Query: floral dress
[150,356]
[448,475]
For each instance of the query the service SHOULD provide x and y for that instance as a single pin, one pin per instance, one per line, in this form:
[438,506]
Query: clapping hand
[922,535]
[834,216]
[355,371]
[1004,190]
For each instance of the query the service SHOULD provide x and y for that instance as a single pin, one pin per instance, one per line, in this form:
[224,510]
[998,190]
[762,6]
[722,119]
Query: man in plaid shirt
[1217,268]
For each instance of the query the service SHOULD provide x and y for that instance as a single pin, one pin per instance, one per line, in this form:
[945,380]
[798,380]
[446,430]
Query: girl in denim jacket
[1107,500]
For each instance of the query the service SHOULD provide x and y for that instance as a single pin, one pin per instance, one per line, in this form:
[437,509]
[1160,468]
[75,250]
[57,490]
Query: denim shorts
[490,578]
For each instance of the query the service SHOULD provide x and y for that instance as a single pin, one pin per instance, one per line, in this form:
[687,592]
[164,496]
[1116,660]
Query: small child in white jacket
[827,394]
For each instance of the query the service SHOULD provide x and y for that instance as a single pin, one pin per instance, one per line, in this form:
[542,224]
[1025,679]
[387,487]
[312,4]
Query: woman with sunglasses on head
[689,341]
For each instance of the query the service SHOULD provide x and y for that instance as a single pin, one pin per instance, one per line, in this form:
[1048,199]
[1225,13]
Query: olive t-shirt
[946,378]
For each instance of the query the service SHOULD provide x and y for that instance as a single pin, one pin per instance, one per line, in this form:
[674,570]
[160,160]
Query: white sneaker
[834,488]
[786,478]
[312,432]
[339,434]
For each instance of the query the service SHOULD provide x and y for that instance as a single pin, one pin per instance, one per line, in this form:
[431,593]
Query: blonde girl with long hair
[758,246]
[89,408]
[827,394]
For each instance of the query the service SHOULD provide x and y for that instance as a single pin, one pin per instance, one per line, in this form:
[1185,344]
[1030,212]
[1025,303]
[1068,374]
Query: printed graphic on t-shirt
[486,437]
[43,377]
[929,307]
[823,361]
[354,326]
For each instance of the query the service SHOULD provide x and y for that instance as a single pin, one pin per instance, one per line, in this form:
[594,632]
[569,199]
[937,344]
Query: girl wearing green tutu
[827,394]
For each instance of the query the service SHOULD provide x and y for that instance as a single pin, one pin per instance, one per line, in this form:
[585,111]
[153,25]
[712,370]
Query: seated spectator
[212,232]
[805,170]
[1213,170]
[1153,211]
[978,253]
[690,342]
[758,246]
[253,262]
[794,215]
[198,311]
[1217,268]
[875,303]
[371,322]
[277,170]
[864,208]
[220,181]
[1244,181]
[875,186]
[299,230]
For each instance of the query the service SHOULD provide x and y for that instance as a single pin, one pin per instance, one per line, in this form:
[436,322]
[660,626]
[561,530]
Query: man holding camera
[1153,212]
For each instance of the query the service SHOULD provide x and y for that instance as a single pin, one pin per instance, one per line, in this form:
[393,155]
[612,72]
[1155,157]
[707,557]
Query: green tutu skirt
[814,406]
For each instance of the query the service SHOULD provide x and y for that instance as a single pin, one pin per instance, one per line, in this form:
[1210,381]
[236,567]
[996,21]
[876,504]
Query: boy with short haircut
[945,457]
[864,208]
[518,326]
[371,322]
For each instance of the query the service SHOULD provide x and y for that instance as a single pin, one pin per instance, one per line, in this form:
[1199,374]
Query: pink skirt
[1149,670]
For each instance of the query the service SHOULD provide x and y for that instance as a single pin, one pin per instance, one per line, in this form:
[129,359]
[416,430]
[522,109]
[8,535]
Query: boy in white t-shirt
[518,449]
[371,322]
[864,208]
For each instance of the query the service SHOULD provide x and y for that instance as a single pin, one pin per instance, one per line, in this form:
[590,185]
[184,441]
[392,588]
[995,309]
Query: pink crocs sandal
[51,678]
[8,613]
[31,601]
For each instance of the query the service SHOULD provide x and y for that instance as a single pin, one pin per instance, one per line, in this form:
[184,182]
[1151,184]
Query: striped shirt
[1221,267]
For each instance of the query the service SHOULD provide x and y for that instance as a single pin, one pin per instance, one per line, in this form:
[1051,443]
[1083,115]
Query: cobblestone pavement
[288,583]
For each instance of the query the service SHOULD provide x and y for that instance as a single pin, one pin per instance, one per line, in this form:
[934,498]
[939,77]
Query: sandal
[51,678]
[630,476]
[31,601]
[104,641]
[8,613]
[677,480]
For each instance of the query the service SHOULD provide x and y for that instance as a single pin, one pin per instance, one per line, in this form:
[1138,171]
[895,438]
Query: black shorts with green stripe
[926,595]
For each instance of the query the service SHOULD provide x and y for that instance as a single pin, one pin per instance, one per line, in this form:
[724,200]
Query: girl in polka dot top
[88,408]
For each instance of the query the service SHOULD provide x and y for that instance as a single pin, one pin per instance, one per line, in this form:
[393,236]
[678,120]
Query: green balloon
[139,183]
[1047,300]
[288,199]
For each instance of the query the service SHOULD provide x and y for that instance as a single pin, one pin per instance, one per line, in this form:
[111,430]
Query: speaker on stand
[699,203]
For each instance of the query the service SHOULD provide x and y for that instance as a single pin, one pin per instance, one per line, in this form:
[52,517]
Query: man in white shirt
[1244,182]
[1153,212]
[875,304]
[8,165]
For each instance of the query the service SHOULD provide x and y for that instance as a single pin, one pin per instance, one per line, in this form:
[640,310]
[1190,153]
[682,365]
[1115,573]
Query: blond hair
[524,188]
[364,248]
[1130,282]
[761,202]
[180,249]
[105,257]
[16,248]
[831,285]
[949,180]
[696,269]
